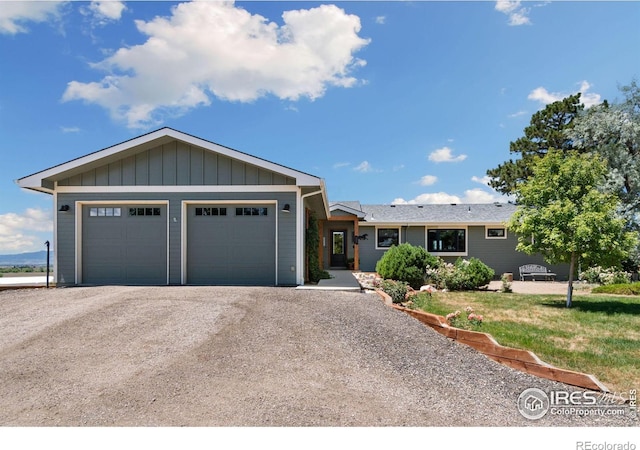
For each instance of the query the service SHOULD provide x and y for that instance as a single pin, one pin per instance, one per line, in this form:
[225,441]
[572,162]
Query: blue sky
[387,101]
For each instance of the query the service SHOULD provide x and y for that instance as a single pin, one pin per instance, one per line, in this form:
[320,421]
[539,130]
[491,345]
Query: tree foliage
[564,214]
[546,130]
[613,131]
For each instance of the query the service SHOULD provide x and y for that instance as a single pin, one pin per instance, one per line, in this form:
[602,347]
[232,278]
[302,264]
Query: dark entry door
[338,248]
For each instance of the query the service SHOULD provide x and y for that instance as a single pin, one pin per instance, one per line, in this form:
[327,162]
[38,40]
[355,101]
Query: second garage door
[231,244]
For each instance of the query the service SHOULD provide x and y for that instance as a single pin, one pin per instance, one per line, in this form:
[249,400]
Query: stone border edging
[523,360]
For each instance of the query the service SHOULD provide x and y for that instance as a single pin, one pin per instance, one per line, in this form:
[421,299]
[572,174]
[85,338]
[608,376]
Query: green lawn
[599,335]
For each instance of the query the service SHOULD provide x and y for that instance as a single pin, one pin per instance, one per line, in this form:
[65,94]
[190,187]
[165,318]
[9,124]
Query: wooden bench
[536,270]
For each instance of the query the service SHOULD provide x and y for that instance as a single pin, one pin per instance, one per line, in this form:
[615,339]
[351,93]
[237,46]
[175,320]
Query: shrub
[464,275]
[397,290]
[506,285]
[312,238]
[619,289]
[604,276]
[407,263]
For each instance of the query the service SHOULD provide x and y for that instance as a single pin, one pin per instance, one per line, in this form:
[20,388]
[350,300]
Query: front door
[338,249]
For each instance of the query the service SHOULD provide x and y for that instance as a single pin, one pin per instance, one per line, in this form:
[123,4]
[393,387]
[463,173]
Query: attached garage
[168,208]
[124,244]
[231,244]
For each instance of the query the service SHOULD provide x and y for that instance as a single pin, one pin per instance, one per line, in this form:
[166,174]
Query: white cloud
[207,49]
[479,195]
[482,180]
[14,14]
[17,230]
[476,195]
[444,154]
[518,14]
[70,129]
[107,10]
[517,114]
[380,20]
[429,198]
[339,165]
[542,95]
[428,180]
[365,167]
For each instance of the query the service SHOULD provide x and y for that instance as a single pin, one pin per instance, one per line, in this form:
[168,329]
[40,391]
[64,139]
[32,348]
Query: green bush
[464,275]
[407,263]
[312,238]
[397,290]
[619,289]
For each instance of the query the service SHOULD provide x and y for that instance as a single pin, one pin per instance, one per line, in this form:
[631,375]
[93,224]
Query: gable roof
[43,181]
[462,213]
[350,207]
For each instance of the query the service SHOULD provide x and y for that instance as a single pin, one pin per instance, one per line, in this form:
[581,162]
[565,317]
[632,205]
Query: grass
[599,335]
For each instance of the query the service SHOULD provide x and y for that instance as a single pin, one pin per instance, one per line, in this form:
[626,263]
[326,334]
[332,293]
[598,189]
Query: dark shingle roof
[463,213]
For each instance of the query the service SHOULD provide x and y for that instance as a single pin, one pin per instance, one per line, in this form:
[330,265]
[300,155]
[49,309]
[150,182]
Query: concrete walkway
[341,280]
[22,281]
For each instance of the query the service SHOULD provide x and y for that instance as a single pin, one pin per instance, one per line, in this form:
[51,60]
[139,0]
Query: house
[451,231]
[168,208]
[171,208]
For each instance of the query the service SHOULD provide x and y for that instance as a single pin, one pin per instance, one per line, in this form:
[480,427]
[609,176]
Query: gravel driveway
[216,356]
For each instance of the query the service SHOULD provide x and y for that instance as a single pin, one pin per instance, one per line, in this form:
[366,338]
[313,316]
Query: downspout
[301,223]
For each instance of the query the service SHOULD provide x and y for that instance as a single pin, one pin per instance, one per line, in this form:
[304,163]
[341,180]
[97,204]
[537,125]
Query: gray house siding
[499,254]
[173,164]
[66,229]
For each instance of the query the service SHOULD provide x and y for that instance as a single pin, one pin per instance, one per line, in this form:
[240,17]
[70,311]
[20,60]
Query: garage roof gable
[125,154]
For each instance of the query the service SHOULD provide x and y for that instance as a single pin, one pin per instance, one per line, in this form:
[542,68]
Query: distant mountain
[26,259]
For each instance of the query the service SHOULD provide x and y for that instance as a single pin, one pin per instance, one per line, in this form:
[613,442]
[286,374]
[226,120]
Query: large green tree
[546,130]
[613,131]
[565,214]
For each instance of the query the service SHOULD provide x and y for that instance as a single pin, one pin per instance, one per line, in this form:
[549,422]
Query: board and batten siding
[177,164]
[66,229]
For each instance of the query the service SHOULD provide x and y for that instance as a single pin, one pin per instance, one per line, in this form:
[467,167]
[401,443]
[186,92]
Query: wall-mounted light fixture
[286,208]
[64,208]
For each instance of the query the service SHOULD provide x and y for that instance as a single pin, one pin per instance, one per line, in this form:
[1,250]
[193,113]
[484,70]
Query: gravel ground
[216,356]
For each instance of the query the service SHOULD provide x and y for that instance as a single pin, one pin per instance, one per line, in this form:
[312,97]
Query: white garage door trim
[78,212]
[183,230]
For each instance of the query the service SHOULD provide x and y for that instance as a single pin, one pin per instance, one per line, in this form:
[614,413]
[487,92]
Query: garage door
[124,244]
[231,244]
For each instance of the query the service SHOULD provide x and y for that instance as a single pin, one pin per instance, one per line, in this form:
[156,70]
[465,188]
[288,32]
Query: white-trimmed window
[447,241]
[105,212]
[386,237]
[495,233]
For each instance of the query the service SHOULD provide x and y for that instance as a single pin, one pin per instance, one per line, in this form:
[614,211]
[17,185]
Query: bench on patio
[536,270]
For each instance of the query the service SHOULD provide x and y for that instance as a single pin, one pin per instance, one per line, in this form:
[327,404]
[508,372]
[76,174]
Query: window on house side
[386,237]
[496,233]
[446,240]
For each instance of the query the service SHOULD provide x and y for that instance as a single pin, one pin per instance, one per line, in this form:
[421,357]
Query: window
[211,211]
[446,240]
[386,237]
[144,211]
[496,233]
[105,212]
[251,211]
